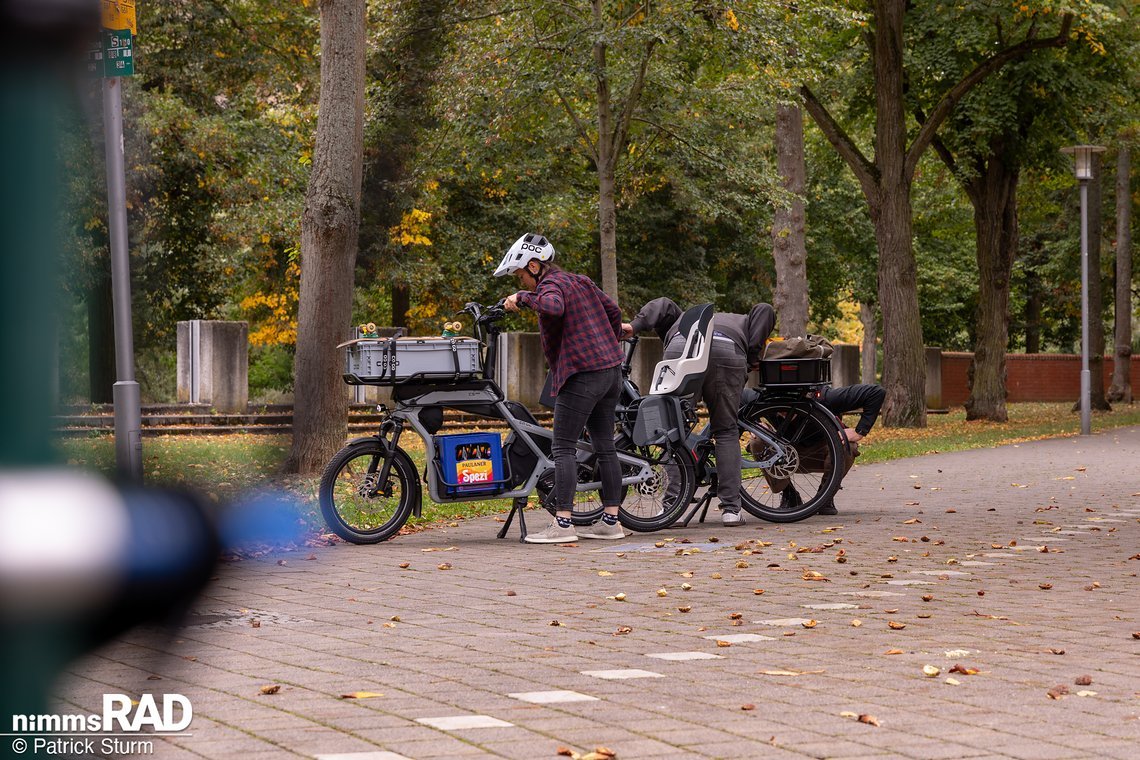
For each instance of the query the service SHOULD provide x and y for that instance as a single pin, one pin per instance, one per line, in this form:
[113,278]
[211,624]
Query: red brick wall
[1029,377]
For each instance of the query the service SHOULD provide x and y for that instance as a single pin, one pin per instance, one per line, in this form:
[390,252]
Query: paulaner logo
[120,713]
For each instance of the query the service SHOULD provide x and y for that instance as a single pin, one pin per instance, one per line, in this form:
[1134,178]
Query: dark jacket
[748,331]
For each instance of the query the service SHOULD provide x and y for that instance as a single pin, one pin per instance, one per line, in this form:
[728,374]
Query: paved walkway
[1015,567]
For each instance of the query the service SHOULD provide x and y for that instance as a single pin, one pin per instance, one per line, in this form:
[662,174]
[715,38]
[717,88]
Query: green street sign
[118,53]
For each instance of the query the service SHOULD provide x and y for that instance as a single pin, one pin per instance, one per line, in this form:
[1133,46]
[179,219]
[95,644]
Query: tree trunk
[904,365]
[606,164]
[867,354]
[101,340]
[1032,315]
[330,226]
[401,302]
[607,225]
[1121,388]
[1097,398]
[994,196]
[789,247]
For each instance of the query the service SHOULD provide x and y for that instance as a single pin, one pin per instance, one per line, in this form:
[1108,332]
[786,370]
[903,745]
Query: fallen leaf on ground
[757,591]
[555,623]
[440,549]
[810,623]
[930,671]
[565,752]
[748,706]
[405,565]
[623,630]
[604,573]
[1057,691]
[953,682]
[966,671]
[927,597]
[848,714]
[870,720]
[686,608]
[783,672]
[894,651]
[444,566]
[895,625]
[686,587]
[723,643]
[662,592]
[856,623]
[812,575]
[361,695]
[1086,693]
[271,689]
[1044,586]
[1083,680]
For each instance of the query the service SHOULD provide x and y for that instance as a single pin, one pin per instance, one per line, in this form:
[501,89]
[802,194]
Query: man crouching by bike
[579,326]
[737,342]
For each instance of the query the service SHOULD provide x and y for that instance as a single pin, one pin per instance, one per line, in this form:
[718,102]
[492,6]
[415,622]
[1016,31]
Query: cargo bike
[372,486]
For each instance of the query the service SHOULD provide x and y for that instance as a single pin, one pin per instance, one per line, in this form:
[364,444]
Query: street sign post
[114,59]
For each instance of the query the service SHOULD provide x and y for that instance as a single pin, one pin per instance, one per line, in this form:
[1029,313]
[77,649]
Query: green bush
[270,369]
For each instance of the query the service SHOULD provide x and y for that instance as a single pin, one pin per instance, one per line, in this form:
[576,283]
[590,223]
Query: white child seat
[683,375]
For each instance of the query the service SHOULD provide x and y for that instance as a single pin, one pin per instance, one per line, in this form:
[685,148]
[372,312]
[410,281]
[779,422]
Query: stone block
[844,365]
[213,364]
[934,378]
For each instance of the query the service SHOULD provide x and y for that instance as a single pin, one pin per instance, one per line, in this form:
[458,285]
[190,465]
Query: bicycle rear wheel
[808,474]
[659,501]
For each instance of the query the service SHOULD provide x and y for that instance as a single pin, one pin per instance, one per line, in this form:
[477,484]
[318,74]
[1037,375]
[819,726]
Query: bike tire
[587,504]
[658,503]
[792,490]
[352,507]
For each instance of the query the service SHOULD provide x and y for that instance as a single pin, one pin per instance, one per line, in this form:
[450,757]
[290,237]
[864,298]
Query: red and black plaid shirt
[579,325]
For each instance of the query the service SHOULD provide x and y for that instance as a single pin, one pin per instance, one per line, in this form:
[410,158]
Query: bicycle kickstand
[517,507]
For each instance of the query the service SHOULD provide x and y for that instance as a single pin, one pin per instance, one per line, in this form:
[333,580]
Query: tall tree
[887,180]
[1121,388]
[330,227]
[789,244]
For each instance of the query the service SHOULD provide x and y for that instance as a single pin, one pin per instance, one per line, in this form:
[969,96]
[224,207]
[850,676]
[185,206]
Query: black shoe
[790,498]
[828,509]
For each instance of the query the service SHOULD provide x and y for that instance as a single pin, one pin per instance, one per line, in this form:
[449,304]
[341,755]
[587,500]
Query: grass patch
[227,467]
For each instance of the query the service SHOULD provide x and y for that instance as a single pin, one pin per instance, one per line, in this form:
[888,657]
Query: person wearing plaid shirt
[579,325]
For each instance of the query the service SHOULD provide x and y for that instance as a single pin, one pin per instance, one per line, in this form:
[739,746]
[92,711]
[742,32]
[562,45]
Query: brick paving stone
[462,645]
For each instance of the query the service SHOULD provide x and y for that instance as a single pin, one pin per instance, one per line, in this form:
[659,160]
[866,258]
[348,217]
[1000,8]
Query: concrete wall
[213,364]
[844,365]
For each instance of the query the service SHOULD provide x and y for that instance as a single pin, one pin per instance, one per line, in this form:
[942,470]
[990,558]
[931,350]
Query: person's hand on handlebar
[626,330]
[511,302]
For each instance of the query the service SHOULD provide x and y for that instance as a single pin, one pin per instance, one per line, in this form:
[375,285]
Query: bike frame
[476,400]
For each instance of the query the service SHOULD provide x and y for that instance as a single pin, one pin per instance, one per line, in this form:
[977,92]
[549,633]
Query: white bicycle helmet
[528,248]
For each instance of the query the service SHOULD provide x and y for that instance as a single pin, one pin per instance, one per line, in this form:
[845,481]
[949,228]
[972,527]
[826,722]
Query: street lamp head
[1083,154]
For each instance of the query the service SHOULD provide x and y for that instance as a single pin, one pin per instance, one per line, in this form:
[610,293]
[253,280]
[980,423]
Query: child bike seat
[683,375]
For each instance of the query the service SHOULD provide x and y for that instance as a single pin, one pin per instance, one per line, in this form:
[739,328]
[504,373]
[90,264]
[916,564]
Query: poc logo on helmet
[529,247]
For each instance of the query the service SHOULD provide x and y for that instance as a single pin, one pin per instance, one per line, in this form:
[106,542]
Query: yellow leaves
[730,20]
[413,229]
[361,695]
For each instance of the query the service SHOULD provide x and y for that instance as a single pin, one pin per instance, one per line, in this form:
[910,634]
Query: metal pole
[128,415]
[1086,422]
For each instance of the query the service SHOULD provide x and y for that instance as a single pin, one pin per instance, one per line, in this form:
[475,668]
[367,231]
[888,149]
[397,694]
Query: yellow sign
[474,472]
[119,15]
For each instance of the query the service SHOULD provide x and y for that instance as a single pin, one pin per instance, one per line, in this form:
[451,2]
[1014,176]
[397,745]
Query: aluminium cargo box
[388,361]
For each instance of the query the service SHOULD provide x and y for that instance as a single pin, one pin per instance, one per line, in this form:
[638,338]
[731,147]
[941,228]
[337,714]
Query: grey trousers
[721,389]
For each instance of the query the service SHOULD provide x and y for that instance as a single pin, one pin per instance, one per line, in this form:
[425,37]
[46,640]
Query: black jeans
[586,401]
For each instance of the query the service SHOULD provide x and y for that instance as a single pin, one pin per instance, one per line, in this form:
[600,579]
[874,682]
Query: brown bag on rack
[802,347]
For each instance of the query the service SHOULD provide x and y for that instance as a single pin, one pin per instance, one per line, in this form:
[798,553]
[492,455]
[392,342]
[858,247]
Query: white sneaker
[553,534]
[731,519]
[601,530]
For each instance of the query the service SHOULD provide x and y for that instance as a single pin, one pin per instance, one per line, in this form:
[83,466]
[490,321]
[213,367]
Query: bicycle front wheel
[355,504]
[800,481]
